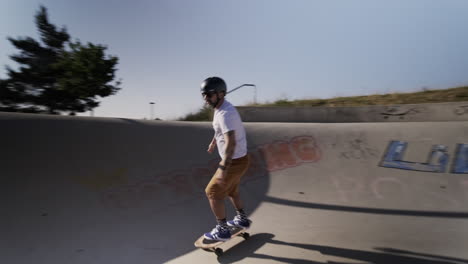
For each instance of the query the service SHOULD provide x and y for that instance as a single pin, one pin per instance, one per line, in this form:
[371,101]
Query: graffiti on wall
[357,147]
[401,111]
[461,110]
[437,160]
[189,183]
[286,154]
[461,159]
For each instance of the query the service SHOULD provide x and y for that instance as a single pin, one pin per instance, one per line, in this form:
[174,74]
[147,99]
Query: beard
[213,104]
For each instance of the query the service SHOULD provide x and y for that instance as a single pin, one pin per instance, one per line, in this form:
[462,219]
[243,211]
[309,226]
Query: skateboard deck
[212,245]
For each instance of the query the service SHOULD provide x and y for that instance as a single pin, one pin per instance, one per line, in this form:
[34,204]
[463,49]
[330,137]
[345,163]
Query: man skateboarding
[230,139]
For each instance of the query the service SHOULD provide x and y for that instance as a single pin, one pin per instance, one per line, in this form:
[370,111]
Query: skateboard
[212,245]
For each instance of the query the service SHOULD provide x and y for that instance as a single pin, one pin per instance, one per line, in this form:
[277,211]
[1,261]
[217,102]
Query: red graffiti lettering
[191,182]
[306,149]
[278,156]
[281,155]
[178,182]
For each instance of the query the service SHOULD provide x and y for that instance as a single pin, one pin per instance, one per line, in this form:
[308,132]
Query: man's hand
[211,148]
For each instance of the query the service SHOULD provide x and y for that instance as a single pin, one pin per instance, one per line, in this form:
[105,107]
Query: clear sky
[290,49]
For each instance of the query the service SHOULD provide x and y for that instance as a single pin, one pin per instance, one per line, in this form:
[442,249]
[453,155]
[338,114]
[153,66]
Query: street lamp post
[247,84]
[151,110]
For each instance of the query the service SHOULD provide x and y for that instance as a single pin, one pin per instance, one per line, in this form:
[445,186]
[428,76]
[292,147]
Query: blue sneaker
[219,234]
[239,222]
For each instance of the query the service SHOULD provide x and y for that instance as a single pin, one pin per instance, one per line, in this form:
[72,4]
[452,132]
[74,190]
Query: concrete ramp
[98,190]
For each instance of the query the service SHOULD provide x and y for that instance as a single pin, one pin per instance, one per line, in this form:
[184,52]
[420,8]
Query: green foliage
[283,102]
[57,75]
[462,94]
[204,114]
[425,96]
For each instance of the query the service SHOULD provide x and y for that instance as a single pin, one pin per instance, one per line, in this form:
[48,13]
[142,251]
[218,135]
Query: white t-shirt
[226,119]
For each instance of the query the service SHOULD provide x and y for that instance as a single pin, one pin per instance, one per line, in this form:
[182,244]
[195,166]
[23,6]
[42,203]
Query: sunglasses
[208,94]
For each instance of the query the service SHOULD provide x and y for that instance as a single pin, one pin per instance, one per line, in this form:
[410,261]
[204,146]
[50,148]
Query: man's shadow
[247,249]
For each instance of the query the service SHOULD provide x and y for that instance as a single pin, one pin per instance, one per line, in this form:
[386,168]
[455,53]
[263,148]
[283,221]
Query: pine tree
[57,75]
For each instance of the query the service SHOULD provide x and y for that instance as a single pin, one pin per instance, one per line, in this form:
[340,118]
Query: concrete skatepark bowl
[107,190]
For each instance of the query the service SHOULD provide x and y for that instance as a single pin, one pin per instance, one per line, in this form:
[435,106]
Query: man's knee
[214,193]
[209,192]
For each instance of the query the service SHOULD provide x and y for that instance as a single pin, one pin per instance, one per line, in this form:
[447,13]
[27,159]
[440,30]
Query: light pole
[151,110]
[247,84]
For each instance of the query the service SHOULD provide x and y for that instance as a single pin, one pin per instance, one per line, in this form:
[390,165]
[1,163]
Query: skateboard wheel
[218,252]
[246,236]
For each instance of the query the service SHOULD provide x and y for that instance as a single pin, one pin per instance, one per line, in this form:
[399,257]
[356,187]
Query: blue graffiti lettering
[437,161]
[461,159]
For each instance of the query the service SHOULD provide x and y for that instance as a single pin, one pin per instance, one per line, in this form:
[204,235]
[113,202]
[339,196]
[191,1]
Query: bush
[204,114]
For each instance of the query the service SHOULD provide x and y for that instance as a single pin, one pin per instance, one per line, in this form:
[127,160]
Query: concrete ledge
[389,113]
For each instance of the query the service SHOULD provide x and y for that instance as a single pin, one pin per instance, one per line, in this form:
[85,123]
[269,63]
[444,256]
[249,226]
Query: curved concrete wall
[392,113]
[97,190]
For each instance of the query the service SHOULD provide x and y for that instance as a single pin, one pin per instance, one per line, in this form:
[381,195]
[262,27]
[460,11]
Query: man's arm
[212,145]
[230,138]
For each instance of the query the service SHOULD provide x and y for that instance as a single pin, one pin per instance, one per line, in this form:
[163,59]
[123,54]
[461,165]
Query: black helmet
[213,85]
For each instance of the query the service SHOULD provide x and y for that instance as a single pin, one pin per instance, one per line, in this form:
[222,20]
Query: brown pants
[230,186]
